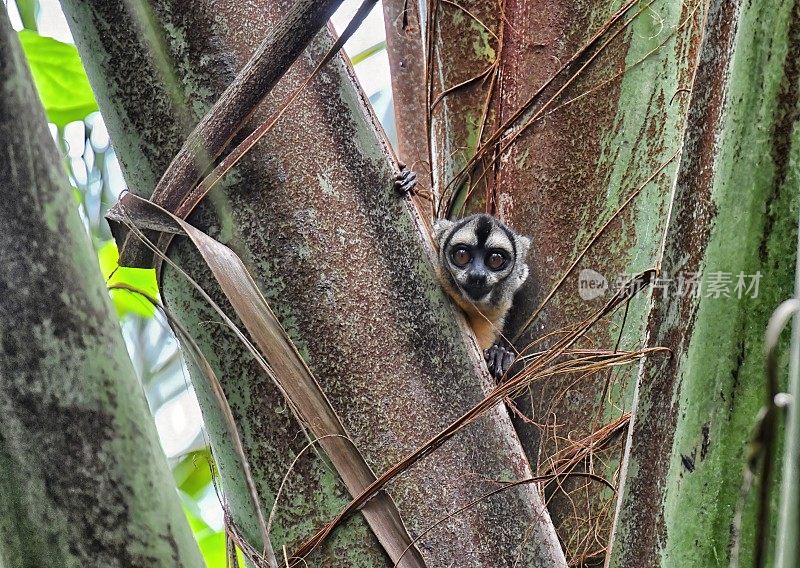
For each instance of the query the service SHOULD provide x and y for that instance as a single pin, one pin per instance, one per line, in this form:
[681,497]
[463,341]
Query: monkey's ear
[441,227]
[523,244]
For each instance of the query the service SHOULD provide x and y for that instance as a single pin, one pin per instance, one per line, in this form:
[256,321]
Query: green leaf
[193,473]
[212,546]
[199,527]
[143,279]
[214,551]
[59,77]
[367,53]
[211,543]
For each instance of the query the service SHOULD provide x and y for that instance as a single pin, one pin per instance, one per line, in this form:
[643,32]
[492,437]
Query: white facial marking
[464,236]
[499,240]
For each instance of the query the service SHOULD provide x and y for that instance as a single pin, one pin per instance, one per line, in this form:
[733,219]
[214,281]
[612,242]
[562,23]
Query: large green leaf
[212,543]
[212,546]
[59,76]
[143,279]
[193,473]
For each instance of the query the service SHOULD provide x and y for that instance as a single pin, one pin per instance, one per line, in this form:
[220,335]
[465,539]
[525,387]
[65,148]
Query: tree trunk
[734,211]
[83,479]
[560,179]
[404,45]
[311,213]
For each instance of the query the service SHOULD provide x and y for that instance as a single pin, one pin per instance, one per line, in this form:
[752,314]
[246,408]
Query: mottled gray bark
[311,213]
[83,480]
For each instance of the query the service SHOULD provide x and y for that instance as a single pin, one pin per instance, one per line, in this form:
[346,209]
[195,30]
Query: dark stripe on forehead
[483,230]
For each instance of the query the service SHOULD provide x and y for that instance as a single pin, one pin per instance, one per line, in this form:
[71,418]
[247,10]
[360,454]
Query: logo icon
[591,284]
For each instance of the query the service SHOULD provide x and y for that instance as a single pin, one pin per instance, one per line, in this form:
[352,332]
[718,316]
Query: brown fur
[486,325]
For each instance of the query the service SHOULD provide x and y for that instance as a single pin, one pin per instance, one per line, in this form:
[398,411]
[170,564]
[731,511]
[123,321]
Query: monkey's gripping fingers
[498,360]
[405,182]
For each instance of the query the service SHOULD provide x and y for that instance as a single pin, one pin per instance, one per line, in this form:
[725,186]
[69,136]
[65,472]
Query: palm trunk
[734,211]
[407,63]
[83,479]
[311,213]
[558,160]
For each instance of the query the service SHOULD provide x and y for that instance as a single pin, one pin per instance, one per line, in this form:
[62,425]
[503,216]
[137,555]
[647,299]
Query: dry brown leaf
[285,365]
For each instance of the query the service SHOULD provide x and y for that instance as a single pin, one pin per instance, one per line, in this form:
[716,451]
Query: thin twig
[496,395]
[591,242]
[463,84]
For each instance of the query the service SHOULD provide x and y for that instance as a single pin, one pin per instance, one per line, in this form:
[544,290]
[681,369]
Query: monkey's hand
[405,182]
[498,360]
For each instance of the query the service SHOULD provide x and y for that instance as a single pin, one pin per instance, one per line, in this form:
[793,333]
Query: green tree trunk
[311,213]
[83,480]
[734,211]
[560,179]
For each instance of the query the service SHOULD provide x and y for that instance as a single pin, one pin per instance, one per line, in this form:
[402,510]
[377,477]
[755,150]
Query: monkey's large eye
[496,260]
[461,256]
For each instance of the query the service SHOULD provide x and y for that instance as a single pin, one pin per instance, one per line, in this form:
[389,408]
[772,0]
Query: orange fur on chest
[485,324]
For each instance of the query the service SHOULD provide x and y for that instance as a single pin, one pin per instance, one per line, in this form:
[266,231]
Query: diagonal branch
[210,137]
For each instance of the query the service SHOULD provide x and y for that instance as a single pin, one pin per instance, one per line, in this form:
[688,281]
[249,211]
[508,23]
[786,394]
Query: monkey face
[482,258]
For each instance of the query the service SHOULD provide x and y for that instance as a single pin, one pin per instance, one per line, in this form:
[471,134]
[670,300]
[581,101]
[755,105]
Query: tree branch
[227,117]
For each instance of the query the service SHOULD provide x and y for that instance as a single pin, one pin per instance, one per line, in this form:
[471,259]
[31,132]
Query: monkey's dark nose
[475,286]
[476,280]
